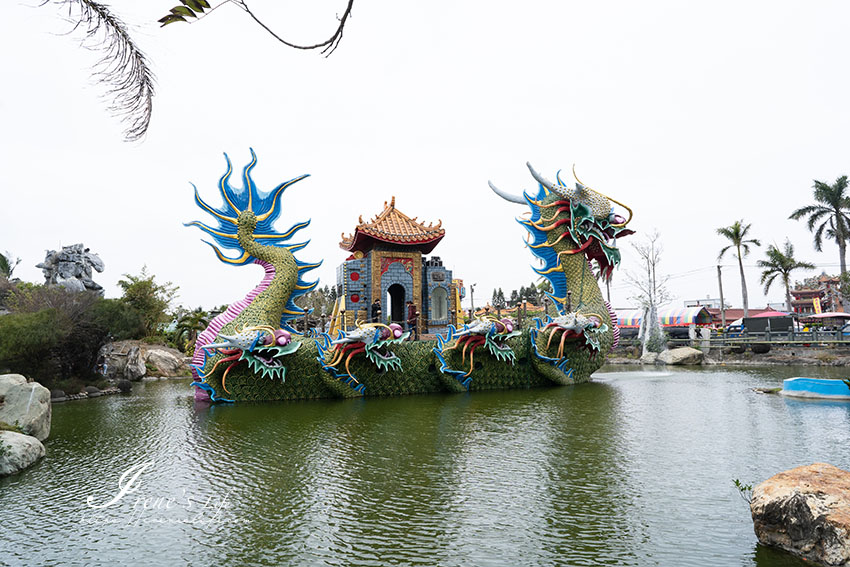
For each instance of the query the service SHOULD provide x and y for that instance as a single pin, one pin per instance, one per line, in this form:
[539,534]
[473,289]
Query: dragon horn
[506,196]
[579,185]
[229,342]
[540,179]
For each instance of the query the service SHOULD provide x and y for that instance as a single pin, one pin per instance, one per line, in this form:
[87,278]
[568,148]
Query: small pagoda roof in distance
[394,227]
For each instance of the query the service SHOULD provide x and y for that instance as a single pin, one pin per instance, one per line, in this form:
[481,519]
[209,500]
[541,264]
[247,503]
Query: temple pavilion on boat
[388,262]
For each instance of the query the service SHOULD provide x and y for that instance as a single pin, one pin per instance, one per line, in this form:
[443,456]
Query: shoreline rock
[133,360]
[18,452]
[778,356]
[681,355]
[85,394]
[25,405]
[805,511]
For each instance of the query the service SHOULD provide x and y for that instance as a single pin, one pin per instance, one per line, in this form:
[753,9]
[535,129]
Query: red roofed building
[817,294]
[395,228]
[388,263]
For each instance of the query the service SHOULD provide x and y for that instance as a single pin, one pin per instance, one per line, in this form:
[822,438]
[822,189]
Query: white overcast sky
[695,114]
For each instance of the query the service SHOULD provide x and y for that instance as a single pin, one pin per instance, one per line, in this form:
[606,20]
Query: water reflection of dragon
[251,351]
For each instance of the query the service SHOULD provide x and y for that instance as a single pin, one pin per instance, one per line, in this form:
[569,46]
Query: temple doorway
[396,302]
[439,304]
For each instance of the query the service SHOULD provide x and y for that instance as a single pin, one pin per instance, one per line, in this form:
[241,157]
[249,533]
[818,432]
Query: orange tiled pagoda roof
[394,227]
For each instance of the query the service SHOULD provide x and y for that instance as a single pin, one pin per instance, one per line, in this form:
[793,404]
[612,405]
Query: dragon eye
[614,218]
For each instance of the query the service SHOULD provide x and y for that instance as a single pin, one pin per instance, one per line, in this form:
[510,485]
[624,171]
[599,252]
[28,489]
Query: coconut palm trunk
[787,295]
[744,296]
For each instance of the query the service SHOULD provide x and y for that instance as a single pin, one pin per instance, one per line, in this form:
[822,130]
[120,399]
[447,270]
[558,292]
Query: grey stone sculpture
[71,268]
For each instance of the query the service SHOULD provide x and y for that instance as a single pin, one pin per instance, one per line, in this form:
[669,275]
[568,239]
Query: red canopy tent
[771,314]
[830,315]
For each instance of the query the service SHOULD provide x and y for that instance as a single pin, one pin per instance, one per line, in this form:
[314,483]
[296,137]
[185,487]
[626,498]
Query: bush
[122,320]
[156,340]
[5,289]
[657,342]
[70,385]
[27,341]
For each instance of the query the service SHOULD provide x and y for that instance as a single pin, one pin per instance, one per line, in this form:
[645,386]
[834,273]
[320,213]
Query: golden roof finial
[392,202]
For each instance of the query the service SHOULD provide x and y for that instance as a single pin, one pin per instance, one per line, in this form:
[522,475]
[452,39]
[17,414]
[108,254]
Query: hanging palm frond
[122,67]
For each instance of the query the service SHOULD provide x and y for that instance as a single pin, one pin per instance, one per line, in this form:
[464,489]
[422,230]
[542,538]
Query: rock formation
[71,268]
[130,360]
[805,511]
[681,355]
[166,362]
[25,405]
[18,451]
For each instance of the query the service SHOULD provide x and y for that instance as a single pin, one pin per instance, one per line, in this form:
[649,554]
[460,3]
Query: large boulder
[112,360]
[134,368]
[805,511]
[25,405]
[681,355]
[649,357]
[130,360]
[166,362]
[18,451]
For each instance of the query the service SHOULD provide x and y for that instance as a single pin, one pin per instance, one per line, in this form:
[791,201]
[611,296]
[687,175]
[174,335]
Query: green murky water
[633,469]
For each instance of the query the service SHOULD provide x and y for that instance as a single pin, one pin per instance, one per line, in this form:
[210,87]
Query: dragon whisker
[561,346]
[228,359]
[552,335]
[224,377]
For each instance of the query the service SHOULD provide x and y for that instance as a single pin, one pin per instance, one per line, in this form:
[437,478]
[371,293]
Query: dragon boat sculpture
[252,352]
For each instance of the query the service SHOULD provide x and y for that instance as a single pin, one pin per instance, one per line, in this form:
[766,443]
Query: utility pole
[722,303]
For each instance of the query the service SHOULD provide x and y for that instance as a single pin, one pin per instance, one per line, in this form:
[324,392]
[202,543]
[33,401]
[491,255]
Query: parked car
[734,331]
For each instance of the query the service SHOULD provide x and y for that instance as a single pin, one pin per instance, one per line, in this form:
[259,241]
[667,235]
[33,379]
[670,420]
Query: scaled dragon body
[251,352]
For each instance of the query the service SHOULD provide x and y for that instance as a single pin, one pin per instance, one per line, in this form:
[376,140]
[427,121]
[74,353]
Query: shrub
[122,320]
[27,341]
[657,342]
[9,427]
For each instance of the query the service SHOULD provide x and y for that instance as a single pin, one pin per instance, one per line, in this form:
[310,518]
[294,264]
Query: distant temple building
[388,262]
[817,294]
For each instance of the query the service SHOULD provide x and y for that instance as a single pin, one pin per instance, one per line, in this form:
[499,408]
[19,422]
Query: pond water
[635,468]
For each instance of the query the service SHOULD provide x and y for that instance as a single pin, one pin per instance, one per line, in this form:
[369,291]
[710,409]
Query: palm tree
[124,68]
[781,264]
[832,211]
[189,325]
[737,233]
[8,265]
